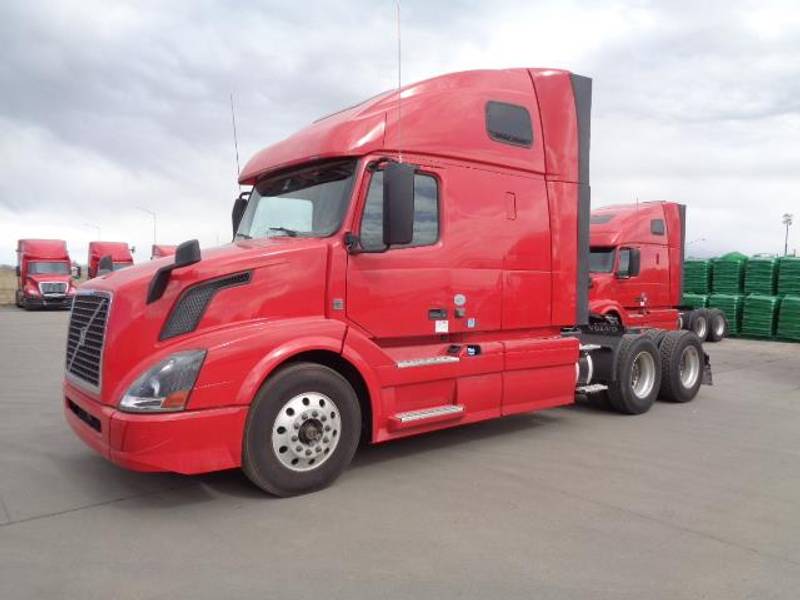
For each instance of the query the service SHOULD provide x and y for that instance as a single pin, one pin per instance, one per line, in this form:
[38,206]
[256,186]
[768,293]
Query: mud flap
[707,377]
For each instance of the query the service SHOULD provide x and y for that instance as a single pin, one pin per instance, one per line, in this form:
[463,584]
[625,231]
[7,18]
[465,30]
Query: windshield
[125,265]
[307,202]
[601,260]
[48,268]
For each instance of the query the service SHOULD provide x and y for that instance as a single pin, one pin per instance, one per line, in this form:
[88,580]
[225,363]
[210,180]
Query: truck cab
[415,262]
[118,257]
[162,250]
[44,274]
[637,263]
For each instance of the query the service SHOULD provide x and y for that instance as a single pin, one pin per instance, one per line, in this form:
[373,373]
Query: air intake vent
[192,304]
[87,330]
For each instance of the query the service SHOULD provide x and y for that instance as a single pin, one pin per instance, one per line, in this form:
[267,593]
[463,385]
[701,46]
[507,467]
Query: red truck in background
[637,253]
[44,274]
[162,250]
[388,277]
[117,256]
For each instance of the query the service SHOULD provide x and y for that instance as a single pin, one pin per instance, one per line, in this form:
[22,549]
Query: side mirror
[187,253]
[633,271]
[106,265]
[398,203]
[239,206]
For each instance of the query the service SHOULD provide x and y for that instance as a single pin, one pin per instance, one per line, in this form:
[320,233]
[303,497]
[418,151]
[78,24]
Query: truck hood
[287,279]
[601,288]
[43,277]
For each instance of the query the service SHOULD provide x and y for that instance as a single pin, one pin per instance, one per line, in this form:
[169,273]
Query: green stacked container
[697,276]
[789,319]
[789,275]
[728,274]
[695,300]
[761,276]
[732,305]
[760,315]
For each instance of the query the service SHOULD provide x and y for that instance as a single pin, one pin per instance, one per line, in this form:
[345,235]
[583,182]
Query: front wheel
[698,322]
[302,430]
[717,325]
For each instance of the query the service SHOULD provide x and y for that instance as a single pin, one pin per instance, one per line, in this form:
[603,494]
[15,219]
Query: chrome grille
[49,287]
[87,330]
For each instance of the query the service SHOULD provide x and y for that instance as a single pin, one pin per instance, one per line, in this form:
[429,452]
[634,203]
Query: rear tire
[717,325]
[302,430]
[638,376]
[681,366]
[698,322]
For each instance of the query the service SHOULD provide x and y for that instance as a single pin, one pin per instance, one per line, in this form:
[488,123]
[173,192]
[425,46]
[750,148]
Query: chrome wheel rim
[719,327]
[643,374]
[306,431]
[689,366]
[700,326]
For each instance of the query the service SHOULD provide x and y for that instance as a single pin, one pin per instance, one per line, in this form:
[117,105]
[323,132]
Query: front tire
[302,430]
[698,322]
[681,365]
[638,376]
[717,325]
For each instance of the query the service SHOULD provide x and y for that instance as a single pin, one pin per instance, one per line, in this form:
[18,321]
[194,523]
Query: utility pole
[787,220]
[152,214]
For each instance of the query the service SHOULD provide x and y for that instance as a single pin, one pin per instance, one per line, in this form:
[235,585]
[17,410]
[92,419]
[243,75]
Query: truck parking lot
[687,501]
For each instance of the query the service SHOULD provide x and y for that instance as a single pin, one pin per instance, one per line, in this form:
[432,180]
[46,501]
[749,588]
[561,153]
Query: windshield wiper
[289,232]
[243,236]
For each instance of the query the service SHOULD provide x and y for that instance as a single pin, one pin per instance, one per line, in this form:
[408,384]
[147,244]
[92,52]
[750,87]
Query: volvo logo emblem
[82,335]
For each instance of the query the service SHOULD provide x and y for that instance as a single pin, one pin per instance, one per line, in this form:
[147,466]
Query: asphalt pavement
[687,501]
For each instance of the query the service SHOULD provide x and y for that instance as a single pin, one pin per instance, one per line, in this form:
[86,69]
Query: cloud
[111,106]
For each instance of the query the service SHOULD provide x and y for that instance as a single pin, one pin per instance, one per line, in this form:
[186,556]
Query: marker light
[166,386]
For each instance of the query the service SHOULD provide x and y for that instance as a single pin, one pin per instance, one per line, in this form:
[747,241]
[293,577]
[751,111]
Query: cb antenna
[399,82]
[235,143]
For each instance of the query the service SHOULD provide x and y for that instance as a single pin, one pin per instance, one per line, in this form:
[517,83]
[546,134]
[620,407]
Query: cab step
[424,416]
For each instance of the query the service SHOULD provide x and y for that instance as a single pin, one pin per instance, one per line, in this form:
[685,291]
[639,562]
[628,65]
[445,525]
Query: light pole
[787,220]
[95,227]
[152,214]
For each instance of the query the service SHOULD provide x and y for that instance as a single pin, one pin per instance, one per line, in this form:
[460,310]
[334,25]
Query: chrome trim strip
[591,389]
[429,413]
[426,362]
[590,347]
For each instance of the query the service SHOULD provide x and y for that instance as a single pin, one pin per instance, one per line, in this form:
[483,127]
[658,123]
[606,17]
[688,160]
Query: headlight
[166,386]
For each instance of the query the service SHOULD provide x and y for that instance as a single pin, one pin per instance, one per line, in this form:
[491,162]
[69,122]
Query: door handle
[436,314]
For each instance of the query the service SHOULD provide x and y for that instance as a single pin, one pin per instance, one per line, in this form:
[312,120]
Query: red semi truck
[162,250]
[117,256]
[637,253]
[44,274]
[389,276]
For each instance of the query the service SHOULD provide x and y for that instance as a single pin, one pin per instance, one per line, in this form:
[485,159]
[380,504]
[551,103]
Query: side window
[509,124]
[426,213]
[624,266]
[657,227]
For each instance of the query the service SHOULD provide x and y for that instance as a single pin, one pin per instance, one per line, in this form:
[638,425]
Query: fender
[240,358]
[365,356]
[603,307]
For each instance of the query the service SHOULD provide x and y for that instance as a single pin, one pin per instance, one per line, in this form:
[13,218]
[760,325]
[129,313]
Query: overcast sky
[108,106]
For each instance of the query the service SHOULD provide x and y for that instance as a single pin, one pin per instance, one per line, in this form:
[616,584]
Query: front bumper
[63,302]
[188,442]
